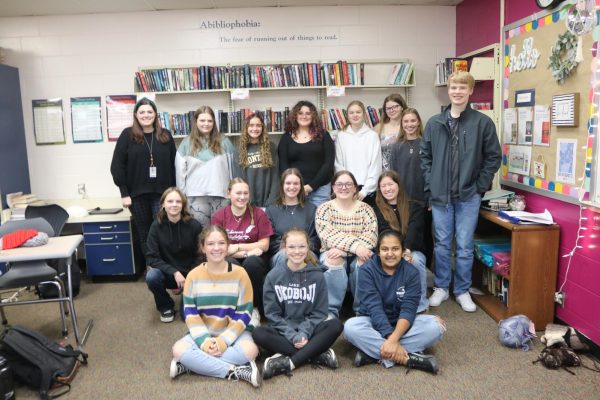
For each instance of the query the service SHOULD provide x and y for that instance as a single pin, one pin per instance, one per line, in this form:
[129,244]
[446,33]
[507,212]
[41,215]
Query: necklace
[293,209]
[238,219]
[411,146]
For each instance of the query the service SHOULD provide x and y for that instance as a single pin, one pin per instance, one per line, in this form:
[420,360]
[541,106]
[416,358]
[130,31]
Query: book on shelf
[401,74]
[447,67]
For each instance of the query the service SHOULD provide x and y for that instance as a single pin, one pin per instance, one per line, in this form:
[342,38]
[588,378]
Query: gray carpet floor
[130,351]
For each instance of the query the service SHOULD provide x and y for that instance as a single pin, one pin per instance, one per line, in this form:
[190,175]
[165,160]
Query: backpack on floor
[49,291]
[39,362]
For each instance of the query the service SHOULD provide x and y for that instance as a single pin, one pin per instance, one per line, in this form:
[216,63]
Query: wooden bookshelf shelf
[533,270]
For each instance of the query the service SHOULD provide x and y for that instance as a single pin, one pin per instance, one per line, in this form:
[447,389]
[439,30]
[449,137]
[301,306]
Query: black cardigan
[416,225]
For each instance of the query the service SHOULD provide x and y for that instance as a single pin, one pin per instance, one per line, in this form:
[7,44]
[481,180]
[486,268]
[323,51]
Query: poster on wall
[541,125]
[510,126]
[565,160]
[48,125]
[119,114]
[519,159]
[525,125]
[86,119]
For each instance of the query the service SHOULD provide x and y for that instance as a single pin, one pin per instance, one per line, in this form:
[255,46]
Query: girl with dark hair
[143,166]
[172,250]
[389,127]
[291,210]
[347,228]
[256,161]
[354,139]
[309,148]
[395,210]
[388,330]
[203,165]
[217,301]
[295,299]
[248,229]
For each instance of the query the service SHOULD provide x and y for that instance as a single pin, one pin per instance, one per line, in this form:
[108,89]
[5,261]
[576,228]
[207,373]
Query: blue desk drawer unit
[108,248]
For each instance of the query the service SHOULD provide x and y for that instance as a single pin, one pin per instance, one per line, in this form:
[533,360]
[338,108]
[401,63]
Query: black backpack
[39,362]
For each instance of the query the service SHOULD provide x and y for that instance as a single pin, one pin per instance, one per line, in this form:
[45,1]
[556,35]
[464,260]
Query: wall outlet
[559,298]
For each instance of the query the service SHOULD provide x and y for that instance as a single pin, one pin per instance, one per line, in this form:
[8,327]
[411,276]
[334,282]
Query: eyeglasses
[392,108]
[344,185]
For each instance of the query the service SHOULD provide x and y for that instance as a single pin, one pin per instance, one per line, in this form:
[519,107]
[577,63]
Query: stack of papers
[524,217]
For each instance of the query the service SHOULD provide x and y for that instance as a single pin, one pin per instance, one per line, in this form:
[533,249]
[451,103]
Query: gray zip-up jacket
[479,155]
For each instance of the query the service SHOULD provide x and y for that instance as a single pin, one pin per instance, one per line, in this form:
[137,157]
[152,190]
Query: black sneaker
[327,359]
[247,372]
[177,369]
[362,359]
[423,362]
[167,316]
[277,364]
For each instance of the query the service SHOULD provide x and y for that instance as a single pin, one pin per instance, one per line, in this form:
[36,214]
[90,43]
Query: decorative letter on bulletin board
[555,137]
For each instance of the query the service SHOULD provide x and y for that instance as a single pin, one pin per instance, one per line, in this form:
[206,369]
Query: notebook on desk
[99,211]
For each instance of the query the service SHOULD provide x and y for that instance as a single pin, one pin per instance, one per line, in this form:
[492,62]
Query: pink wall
[582,287]
[477,16]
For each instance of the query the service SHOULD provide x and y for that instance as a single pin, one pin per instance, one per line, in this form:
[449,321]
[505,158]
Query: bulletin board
[558,162]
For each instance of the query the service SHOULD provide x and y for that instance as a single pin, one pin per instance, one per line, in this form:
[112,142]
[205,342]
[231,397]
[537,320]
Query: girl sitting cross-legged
[217,299]
[387,329]
[295,300]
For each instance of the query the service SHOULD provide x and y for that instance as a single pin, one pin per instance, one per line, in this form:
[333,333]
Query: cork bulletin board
[547,127]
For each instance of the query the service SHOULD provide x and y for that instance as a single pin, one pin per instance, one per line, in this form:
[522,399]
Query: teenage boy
[460,154]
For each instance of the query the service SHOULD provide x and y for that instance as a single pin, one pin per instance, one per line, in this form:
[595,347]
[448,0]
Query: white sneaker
[466,303]
[176,369]
[438,297]
[255,319]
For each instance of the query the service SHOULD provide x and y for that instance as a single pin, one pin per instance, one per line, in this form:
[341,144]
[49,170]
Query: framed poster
[565,110]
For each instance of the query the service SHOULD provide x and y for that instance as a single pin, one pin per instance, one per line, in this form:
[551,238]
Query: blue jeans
[203,363]
[455,219]
[418,261]
[424,333]
[337,283]
[158,282]
[320,195]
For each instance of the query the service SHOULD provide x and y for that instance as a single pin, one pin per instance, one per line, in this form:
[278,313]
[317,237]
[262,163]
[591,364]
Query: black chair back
[53,213]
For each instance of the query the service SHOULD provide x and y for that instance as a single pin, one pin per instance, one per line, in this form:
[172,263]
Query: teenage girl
[389,127]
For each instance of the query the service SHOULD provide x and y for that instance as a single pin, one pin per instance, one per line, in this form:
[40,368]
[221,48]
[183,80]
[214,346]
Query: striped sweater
[217,306]
[346,230]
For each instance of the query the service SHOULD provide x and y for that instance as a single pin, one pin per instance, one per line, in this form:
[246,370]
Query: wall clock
[548,3]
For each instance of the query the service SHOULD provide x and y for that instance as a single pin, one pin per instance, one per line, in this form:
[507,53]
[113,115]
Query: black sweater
[314,159]
[130,166]
[414,236]
[173,247]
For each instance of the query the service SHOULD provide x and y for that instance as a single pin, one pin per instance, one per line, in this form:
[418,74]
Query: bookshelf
[275,87]
[484,65]
[533,270]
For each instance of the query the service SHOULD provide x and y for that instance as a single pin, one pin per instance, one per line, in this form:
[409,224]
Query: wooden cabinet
[533,270]
[108,248]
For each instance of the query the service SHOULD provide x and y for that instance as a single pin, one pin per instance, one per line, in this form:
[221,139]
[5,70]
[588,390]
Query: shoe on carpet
[438,297]
[177,369]
[248,372]
[167,316]
[327,359]
[277,364]
[362,358]
[466,302]
[426,363]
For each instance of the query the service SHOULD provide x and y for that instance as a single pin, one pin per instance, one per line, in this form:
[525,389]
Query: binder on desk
[523,217]
[100,211]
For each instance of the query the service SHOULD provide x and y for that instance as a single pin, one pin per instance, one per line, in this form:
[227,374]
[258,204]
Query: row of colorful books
[447,67]
[496,285]
[206,77]
[401,74]
[337,118]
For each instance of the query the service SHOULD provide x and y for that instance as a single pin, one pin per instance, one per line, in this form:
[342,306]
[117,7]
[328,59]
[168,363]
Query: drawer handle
[109,259]
[107,238]
[106,227]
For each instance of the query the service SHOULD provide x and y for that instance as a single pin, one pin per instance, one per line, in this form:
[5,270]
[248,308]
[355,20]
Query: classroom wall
[97,55]
[582,282]
[478,27]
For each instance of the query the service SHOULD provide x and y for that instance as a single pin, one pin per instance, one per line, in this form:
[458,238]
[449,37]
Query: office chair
[53,213]
[31,273]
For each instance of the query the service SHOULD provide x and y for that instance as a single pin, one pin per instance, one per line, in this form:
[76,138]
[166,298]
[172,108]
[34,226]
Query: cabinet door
[109,259]
[108,238]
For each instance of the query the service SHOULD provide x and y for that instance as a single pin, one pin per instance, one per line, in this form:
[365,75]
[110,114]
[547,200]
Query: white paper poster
[519,159]
[510,125]
[566,150]
[525,125]
[541,125]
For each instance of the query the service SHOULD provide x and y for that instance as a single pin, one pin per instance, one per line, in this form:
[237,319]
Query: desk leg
[80,342]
